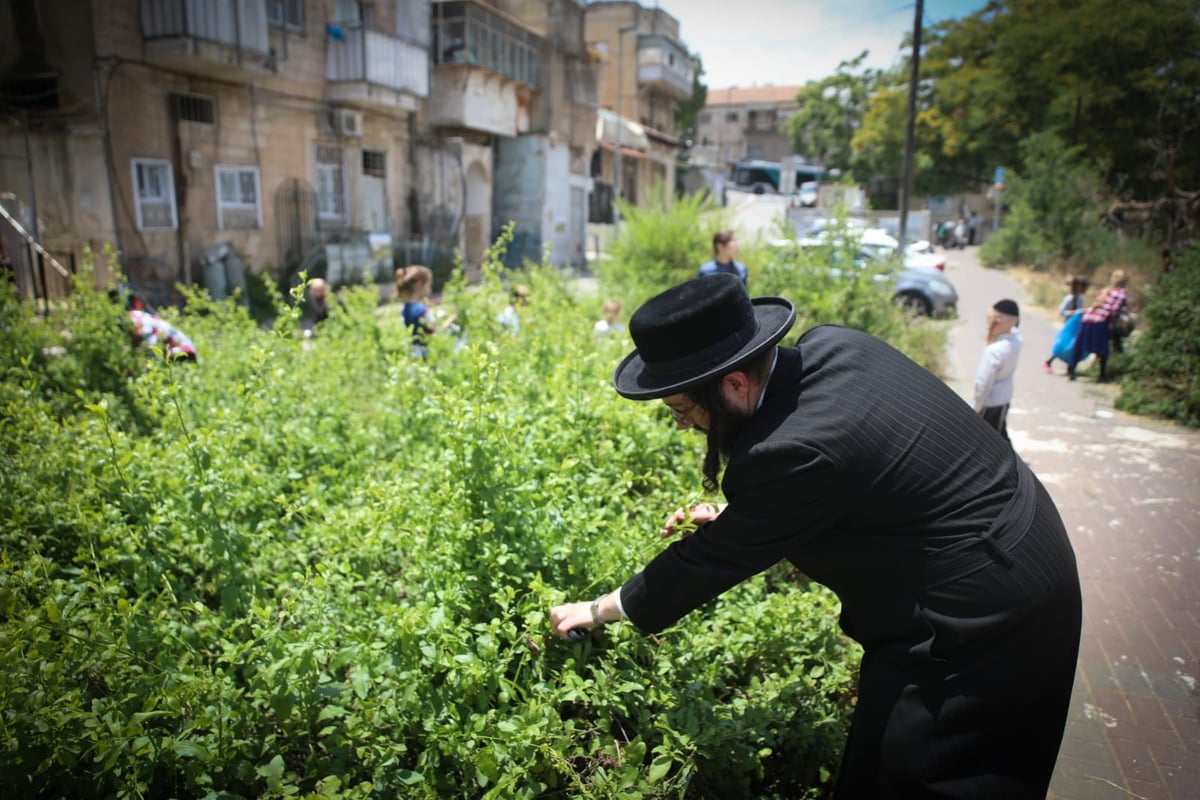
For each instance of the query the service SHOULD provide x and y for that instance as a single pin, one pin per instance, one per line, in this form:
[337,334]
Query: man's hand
[569,616]
[685,522]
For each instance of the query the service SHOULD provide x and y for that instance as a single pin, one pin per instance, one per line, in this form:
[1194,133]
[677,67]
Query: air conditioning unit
[347,123]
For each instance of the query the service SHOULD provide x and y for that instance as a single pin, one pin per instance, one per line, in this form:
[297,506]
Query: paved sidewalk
[1128,489]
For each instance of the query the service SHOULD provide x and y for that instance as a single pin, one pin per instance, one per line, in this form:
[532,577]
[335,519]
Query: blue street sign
[999,181]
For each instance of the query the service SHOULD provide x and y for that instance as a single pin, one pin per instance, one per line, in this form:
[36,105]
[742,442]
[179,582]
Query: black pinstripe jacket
[860,467]
[952,564]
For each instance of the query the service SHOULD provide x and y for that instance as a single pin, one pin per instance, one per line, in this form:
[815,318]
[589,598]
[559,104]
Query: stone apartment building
[747,123]
[295,132]
[647,72]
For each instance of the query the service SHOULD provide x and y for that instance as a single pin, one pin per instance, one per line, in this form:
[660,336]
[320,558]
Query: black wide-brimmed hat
[696,332]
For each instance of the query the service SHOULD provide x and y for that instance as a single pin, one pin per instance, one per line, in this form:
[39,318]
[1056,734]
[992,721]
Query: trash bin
[223,271]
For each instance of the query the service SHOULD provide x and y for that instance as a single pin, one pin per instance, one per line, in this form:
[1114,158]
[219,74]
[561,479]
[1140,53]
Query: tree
[1120,80]
[688,110]
[830,111]
[1054,199]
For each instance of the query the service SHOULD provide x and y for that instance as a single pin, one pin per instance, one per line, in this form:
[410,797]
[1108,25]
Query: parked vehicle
[808,194]
[882,245]
[922,291]
[762,177]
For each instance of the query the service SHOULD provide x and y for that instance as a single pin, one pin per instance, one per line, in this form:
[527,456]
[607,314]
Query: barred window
[286,14]
[331,182]
[374,163]
[195,108]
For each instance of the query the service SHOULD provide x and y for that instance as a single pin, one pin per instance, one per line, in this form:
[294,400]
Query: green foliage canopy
[1119,80]
[830,111]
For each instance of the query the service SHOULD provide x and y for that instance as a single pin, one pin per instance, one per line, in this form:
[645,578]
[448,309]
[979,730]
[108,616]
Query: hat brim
[775,318]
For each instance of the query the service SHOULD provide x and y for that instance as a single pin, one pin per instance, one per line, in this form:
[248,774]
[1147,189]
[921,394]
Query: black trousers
[978,709]
[997,417]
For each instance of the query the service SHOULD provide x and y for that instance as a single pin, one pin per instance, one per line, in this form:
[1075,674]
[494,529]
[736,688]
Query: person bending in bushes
[871,476]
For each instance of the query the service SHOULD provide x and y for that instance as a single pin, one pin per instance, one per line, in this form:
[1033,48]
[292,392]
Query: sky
[789,42]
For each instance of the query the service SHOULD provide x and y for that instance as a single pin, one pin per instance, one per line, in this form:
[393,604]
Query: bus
[762,177]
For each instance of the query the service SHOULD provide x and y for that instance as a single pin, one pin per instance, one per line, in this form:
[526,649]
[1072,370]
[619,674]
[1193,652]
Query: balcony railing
[664,65]
[378,60]
[224,38]
[472,33]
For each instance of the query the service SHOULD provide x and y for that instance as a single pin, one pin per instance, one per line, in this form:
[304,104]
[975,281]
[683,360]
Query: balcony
[375,70]
[487,68]
[665,66]
[222,39]
[476,35]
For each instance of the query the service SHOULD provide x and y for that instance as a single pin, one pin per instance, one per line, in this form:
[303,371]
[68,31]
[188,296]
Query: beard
[726,425]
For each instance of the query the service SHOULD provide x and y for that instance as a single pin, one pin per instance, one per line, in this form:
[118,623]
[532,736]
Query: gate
[296,235]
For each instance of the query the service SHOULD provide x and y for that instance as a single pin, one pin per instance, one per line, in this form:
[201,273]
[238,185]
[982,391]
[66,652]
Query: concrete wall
[462,95]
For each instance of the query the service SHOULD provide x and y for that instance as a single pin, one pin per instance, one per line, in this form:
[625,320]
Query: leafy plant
[660,243]
[321,567]
[1164,362]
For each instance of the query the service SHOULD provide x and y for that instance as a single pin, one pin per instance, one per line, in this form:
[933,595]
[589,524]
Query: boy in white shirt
[994,380]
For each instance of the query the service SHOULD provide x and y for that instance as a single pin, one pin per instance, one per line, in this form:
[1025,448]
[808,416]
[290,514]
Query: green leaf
[658,769]
[185,749]
[408,777]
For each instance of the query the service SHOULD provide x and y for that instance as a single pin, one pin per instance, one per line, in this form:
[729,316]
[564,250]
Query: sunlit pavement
[1128,489]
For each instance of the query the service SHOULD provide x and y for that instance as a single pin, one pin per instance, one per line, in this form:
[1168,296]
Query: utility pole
[620,123]
[909,126]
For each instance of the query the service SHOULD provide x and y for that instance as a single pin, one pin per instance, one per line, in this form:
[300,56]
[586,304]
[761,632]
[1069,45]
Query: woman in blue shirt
[725,250]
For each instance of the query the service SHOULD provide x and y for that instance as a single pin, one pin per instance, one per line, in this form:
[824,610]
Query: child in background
[414,284]
[1071,303]
[608,323]
[154,331]
[994,380]
[510,317]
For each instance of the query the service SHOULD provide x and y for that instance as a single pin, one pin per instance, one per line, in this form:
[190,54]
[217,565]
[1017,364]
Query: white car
[883,245]
[918,254]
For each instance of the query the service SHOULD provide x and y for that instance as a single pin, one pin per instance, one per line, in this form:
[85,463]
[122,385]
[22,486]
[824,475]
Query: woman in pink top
[1094,329]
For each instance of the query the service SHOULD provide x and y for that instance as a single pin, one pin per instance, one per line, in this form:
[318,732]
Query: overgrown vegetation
[1054,203]
[663,245]
[660,243]
[322,568]
[1163,372]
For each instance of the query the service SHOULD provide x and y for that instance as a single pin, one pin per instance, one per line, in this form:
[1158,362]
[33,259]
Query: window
[331,183]
[195,108]
[154,191]
[286,14]
[238,203]
[731,116]
[374,163]
[705,117]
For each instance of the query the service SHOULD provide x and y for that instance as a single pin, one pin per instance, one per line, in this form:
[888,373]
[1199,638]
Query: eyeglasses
[681,416]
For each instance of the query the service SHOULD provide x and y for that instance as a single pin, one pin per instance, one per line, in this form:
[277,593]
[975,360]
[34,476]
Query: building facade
[198,135]
[514,96]
[750,123]
[646,72]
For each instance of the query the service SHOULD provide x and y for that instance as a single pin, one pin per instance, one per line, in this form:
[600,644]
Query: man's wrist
[597,620]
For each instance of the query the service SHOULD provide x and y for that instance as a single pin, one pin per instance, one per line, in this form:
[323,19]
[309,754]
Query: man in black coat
[871,476]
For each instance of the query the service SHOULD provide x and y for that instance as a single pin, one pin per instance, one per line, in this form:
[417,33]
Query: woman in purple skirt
[1095,328]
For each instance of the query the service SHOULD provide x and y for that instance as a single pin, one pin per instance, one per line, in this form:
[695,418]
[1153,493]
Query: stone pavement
[1128,489]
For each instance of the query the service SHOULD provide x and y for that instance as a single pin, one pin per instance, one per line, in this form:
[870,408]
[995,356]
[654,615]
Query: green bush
[322,568]
[660,244]
[1163,365]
